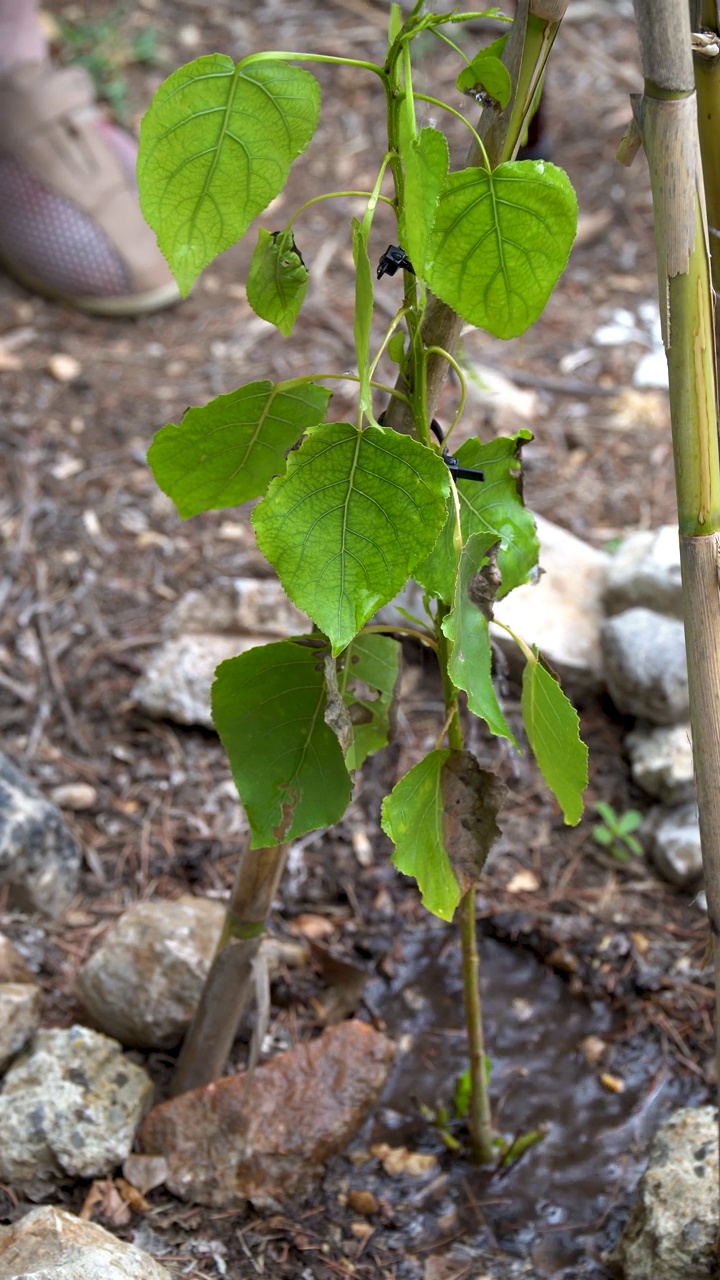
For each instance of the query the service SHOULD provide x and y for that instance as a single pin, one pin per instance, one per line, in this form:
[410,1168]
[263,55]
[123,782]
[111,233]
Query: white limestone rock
[51,1244]
[562,612]
[670,1234]
[661,760]
[143,982]
[672,839]
[645,667]
[204,629]
[645,573]
[69,1106]
[20,1010]
[39,858]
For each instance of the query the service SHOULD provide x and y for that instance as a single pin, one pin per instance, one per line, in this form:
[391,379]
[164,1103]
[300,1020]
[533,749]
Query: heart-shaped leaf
[277,279]
[347,523]
[268,706]
[216,147]
[227,451]
[486,74]
[500,243]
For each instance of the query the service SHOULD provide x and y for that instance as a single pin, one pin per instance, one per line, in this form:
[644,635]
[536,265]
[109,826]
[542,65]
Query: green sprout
[615,831]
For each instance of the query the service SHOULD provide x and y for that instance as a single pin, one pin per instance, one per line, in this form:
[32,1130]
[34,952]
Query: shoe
[70,220]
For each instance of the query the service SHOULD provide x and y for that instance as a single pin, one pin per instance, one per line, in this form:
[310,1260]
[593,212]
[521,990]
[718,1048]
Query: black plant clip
[456,470]
[392,260]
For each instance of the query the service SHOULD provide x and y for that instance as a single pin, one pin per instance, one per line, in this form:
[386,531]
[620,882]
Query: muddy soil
[93,557]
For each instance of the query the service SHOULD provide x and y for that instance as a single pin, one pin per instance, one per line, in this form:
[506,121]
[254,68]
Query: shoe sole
[138,304]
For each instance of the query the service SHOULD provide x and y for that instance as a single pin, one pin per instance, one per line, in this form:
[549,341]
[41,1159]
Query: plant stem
[229,987]
[479,1118]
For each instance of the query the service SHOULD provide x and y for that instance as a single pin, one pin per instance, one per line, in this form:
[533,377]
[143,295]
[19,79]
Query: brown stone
[262,1139]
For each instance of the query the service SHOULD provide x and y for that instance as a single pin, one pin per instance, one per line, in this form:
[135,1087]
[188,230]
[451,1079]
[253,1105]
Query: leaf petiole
[440,351]
[445,106]
[284,55]
[336,195]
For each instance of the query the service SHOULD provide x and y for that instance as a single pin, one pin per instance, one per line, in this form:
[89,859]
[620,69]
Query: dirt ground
[93,557]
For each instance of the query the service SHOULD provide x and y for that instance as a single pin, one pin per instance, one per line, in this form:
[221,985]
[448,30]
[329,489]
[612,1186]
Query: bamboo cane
[666,118]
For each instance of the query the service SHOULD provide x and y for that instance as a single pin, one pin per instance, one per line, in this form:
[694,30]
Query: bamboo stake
[666,118]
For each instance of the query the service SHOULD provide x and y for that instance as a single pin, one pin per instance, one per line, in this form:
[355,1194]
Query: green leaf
[277,280]
[347,523]
[470,664]
[363,313]
[603,835]
[373,660]
[441,818]
[216,146]
[396,348]
[607,813]
[425,159]
[493,506]
[500,243]
[630,820]
[486,74]
[268,706]
[552,725]
[226,452]
[412,816]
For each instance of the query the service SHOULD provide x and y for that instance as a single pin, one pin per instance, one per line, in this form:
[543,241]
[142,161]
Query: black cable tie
[392,260]
[457,471]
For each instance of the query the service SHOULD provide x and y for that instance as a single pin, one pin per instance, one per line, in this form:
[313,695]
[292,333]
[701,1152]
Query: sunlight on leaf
[347,523]
[216,147]
[552,726]
[277,280]
[227,451]
[500,243]
[268,706]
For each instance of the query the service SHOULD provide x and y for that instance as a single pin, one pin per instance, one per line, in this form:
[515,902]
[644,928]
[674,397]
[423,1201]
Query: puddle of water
[552,1206]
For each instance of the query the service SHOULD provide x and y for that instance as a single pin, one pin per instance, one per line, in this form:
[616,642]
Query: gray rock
[670,1234]
[20,1010]
[143,982]
[672,838]
[645,573]
[51,1244]
[203,630]
[39,858]
[69,1106]
[645,668]
[562,612]
[254,606]
[177,682]
[662,762]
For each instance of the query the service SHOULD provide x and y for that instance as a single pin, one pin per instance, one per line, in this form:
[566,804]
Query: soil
[94,557]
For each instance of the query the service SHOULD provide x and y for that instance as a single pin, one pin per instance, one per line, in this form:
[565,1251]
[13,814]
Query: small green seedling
[615,832]
[102,46]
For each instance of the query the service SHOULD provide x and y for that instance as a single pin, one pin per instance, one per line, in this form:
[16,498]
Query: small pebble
[524,881]
[612,1083]
[75,796]
[361,1201]
[398,1160]
[64,368]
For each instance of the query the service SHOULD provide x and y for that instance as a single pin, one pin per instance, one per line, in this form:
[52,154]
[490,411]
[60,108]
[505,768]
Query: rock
[64,368]
[143,982]
[645,573]
[51,1244]
[662,762]
[203,630]
[254,606]
[179,675]
[561,613]
[670,1234]
[69,1106]
[39,858]
[12,966]
[75,796]
[262,1139]
[645,668]
[20,1010]
[672,837]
